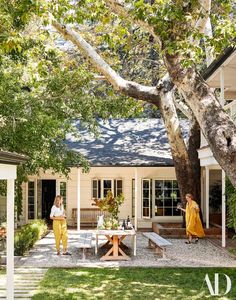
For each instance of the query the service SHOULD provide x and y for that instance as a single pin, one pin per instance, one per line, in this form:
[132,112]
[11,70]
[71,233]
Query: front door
[48,195]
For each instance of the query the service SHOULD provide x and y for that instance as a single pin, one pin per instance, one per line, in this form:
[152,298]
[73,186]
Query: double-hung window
[100,187]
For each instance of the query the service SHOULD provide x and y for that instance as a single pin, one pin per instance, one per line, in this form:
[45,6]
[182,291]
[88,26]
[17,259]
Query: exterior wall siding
[126,174]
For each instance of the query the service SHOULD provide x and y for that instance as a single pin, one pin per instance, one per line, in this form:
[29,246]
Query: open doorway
[48,195]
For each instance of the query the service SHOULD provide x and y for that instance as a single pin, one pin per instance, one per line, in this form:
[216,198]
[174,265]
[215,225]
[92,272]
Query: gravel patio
[203,254]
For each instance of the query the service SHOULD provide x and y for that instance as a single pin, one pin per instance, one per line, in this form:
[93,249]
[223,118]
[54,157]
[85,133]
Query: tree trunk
[185,172]
[216,125]
[193,146]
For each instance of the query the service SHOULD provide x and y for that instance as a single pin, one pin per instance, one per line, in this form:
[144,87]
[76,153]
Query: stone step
[168,231]
[26,282]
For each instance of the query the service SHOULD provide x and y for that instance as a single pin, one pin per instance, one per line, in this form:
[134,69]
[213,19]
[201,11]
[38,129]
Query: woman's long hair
[57,201]
[190,196]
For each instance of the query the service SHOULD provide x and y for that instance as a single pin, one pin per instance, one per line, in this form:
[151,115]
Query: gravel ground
[203,254]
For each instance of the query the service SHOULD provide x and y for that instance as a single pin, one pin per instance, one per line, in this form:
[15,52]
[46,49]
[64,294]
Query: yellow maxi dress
[193,221]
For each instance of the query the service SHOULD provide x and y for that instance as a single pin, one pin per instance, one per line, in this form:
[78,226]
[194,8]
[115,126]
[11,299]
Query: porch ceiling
[212,74]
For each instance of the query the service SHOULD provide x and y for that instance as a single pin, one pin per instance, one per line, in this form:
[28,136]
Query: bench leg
[164,252]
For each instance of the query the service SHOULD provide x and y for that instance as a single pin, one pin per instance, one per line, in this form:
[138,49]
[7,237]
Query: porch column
[78,199]
[207,196]
[10,239]
[223,211]
[136,200]
[222,86]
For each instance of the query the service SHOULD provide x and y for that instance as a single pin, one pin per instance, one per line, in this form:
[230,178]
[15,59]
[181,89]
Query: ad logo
[215,291]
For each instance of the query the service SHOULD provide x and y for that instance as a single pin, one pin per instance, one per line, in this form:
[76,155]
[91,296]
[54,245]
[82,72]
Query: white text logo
[214,291]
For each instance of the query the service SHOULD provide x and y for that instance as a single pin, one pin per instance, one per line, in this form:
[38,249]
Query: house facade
[130,157]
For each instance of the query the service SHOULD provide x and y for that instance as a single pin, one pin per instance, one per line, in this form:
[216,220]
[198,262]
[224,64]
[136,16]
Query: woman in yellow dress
[193,222]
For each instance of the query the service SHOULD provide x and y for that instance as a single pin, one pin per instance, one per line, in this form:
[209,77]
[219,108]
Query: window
[107,186]
[100,187]
[31,197]
[146,198]
[96,189]
[167,196]
[63,192]
[117,187]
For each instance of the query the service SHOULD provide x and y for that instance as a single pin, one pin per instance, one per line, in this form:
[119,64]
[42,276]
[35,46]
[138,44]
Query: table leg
[96,245]
[115,251]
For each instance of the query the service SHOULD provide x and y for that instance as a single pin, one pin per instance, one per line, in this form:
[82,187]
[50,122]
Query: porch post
[136,200]
[222,86]
[78,199]
[10,239]
[223,211]
[207,197]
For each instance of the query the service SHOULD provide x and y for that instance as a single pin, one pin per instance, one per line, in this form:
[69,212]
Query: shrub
[231,203]
[26,237]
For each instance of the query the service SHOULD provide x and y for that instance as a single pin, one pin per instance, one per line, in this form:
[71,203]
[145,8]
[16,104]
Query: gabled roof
[12,158]
[126,142]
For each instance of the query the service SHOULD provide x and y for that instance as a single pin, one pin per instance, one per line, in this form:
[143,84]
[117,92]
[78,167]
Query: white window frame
[58,188]
[153,199]
[35,199]
[102,185]
[115,193]
[149,196]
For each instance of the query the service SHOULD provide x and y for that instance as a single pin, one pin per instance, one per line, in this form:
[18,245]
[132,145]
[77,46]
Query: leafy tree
[178,28]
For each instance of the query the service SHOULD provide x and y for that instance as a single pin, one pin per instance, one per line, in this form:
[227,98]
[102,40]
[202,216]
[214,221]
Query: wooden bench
[156,241]
[85,242]
[88,216]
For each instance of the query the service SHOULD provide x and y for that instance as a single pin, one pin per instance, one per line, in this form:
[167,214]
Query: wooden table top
[115,232]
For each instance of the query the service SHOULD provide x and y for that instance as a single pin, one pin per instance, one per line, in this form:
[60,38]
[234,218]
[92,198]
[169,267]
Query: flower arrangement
[110,204]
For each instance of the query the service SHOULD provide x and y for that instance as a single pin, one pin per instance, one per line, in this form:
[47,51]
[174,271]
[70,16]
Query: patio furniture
[88,216]
[158,242]
[115,238]
[85,242]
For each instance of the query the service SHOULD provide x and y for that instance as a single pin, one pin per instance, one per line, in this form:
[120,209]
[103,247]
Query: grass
[133,283]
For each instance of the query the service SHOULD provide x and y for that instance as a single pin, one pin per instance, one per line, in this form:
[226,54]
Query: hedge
[26,237]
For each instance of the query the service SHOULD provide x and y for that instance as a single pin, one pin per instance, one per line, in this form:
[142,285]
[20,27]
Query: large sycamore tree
[178,30]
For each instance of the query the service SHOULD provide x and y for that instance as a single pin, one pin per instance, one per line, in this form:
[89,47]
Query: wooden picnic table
[115,238]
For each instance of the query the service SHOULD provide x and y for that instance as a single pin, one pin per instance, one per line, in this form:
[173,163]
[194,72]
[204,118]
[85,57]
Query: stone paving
[203,254]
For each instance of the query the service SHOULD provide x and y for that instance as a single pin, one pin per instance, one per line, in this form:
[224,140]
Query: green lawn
[132,283]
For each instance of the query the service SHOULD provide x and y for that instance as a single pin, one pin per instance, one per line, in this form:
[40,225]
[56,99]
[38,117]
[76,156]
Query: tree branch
[205,11]
[182,106]
[119,8]
[129,88]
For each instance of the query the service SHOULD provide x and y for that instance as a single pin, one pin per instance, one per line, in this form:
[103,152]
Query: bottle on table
[123,225]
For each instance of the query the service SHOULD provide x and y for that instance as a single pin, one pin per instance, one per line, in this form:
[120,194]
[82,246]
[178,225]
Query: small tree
[112,205]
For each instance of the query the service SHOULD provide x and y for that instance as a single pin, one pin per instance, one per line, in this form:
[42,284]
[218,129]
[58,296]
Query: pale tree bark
[161,96]
[185,160]
[216,125]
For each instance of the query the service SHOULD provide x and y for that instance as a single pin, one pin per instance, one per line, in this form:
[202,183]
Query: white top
[57,211]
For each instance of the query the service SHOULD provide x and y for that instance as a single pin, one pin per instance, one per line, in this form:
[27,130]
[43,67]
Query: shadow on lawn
[132,283]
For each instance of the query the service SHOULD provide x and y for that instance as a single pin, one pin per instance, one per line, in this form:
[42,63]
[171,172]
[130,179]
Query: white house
[130,156]
[221,74]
